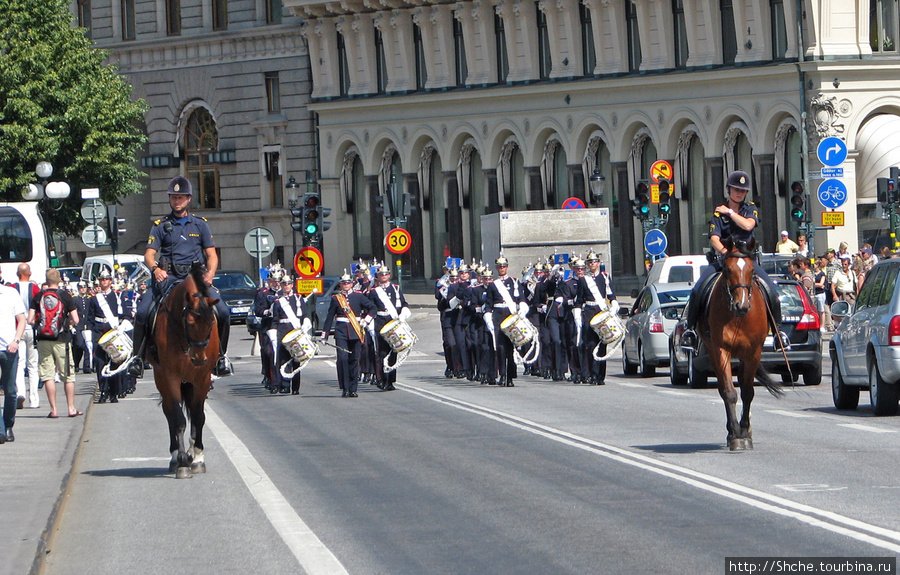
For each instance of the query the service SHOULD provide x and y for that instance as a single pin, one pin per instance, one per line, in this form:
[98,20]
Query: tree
[59,102]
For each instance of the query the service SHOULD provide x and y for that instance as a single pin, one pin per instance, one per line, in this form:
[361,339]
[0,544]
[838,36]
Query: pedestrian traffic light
[640,205]
[297,218]
[664,198]
[798,201]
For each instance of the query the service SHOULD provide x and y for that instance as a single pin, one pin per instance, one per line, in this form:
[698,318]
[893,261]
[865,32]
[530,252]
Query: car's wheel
[813,375]
[844,396]
[627,367]
[790,378]
[646,370]
[883,395]
[675,377]
[697,378]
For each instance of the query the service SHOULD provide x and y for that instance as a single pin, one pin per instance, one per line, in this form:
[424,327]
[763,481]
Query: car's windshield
[233,281]
[674,296]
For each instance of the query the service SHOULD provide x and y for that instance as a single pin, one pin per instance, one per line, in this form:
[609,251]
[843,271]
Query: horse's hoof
[198,467]
[173,465]
[183,473]
[740,444]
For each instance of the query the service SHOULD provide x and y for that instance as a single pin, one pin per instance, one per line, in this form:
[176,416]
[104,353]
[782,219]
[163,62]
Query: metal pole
[259,257]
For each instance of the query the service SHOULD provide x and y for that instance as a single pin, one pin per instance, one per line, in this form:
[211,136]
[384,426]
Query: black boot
[223,366]
[136,367]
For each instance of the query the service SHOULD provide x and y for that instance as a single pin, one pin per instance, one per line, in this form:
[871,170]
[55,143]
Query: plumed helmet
[738,180]
[286,279]
[487,272]
[501,261]
[592,257]
[180,185]
[578,264]
[345,278]
[104,274]
[454,273]
[548,267]
[382,270]
[82,284]
[464,268]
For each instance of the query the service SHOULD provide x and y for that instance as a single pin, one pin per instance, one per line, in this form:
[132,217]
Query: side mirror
[840,309]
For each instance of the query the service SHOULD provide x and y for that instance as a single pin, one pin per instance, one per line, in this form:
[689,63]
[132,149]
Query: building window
[779,30]
[128,27]
[729,38]
[380,63]
[274,178]
[173,17]
[462,70]
[84,17]
[544,62]
[273,92]
[220,14]
[589,57]
[502,56]
[362,214]
[883,23]
[634,37]
[201,138]
[343,66]
[273,11]
[680,37]
[421,70]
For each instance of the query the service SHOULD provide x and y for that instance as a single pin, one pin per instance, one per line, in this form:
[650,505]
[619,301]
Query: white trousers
[28,355]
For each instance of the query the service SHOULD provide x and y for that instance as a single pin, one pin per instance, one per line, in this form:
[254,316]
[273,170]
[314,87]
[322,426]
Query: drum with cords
[117,345]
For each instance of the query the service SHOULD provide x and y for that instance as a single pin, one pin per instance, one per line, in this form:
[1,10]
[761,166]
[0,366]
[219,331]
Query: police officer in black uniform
[176,242]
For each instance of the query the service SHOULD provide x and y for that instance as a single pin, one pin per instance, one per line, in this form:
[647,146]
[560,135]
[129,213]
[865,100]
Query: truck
[527,237]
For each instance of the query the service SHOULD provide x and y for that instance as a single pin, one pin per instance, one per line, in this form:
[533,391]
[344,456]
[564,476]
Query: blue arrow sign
[655,242]
[832,152]
[832,193]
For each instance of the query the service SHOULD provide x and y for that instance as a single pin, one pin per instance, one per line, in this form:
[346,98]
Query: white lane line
[628,384]
[828,520]
[868,428]
[330,363]
[140,459]
[789,413]
[311,553]
[678,393]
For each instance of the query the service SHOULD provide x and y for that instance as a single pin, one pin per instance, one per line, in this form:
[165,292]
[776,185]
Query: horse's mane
[747,248]
[197,275]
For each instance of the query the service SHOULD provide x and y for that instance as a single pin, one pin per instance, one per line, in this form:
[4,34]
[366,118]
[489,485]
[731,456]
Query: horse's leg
[748,376]
[172,408]
[729,395]
[198,419]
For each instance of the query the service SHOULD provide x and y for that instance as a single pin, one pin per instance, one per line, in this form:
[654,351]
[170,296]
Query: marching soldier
[553,323]
[568,291]
[262,308]
[390,304]
[106,311]
[288,313]
[504,299]
[348,312]
[84,347]
[592,295]
[448,315]
[458,294]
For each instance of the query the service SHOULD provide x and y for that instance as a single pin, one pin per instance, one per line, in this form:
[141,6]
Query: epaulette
[157,222]
[204,219]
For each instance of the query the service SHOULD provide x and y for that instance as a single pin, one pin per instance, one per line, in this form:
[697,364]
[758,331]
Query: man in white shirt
[786,245]
[12,328]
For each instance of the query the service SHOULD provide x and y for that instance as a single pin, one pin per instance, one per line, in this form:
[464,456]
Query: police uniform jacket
[721,224]
[180,242]
[360,305]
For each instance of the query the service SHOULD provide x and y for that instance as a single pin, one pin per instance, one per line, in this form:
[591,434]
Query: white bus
[24,239]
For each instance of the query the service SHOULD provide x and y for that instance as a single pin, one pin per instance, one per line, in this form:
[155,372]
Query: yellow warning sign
[832,218]
[306,287]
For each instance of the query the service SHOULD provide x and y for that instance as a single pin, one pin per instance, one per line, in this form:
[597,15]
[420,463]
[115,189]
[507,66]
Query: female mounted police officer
[735,219]
[176,242]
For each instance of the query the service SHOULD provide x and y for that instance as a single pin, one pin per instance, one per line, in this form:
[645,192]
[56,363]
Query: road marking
[789,413]
[809,487]
[672,392]
[330,363]
[311,553]
[140,459]
[868,428]
[827,520]
[628,384]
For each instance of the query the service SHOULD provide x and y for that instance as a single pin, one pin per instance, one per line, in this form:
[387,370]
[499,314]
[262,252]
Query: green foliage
[59,102]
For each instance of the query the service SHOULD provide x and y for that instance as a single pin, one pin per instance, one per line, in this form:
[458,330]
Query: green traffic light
[311,229]
[665,208]
[797,214]
[645,209]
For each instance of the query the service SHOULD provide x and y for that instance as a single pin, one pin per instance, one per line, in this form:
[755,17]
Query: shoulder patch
[204,219]
[157,222]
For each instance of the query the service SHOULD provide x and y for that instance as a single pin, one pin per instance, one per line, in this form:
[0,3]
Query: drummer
[390,304]
[289,313]
[105,312]
[503,300]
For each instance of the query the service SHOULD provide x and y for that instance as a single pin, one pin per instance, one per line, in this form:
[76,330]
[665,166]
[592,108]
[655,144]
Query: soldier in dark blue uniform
[460,291]
[504,299]
[593,291]
[176,242]
[554,300]
[288,313]
[83,343]
[262,308]
[105,311]
[568,289]
[735,219]
[390,303]
[447,317]
[345,303]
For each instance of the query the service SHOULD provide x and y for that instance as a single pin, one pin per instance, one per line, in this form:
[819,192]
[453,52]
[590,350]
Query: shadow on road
[133,472]
[682,447]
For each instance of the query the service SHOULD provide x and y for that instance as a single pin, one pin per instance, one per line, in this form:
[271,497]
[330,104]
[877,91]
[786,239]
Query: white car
[650,320]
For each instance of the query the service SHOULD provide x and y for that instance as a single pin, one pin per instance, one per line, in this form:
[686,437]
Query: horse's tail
[765,378]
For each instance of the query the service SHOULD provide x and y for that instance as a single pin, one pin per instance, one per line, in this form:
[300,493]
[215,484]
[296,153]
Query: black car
[319,303]
[238,291]
[799,320]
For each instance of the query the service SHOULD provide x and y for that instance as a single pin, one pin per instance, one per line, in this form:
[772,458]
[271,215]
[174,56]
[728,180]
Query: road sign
[93,236]
[832,152]
[660,170]
[655,242]
[93,211]
[832,193]
[398,241]
[832,218]
[309,263]
[573,204]
[306,286]
[259,242]
[832,172]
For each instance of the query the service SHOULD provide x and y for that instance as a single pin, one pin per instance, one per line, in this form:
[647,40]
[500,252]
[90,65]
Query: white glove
[125,325]
[454,302]
[523,309]
[405,314]
[306,325]
[614,307]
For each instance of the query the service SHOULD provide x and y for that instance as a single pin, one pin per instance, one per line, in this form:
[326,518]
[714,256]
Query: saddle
[709,282]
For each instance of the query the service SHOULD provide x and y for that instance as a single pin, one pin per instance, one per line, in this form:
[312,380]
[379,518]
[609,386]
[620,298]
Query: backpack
[53,315]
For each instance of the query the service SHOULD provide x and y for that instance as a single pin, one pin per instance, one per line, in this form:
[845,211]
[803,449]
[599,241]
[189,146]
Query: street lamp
[292,187]
[596,182]
[45,189]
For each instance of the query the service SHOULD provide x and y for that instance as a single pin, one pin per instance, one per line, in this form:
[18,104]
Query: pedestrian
[868,258]
[12,330]
[177,242]
[52,313]
[786,245]
[803,245]
[348,312]
[843,282]
[805,276]
[390,304]
[819,274]
[27,380]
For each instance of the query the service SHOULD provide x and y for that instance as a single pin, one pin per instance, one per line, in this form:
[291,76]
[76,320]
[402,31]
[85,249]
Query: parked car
[799,320]
[776,265]
[648,324]
[132,264]
[673,269]
[70,274]
[238,290]
[865,349]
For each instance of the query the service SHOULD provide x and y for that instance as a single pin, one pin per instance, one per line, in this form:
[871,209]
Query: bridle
[732,288]
[192,343]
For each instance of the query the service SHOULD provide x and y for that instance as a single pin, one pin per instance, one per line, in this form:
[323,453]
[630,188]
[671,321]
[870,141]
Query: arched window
[201,139]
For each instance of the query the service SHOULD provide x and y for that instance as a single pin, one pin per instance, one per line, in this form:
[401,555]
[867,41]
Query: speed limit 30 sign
[398,241]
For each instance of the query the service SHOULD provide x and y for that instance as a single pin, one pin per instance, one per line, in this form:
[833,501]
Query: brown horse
[738,322]
[186,347]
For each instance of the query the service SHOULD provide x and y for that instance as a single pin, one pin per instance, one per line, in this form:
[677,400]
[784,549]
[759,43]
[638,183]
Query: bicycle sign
[832,193]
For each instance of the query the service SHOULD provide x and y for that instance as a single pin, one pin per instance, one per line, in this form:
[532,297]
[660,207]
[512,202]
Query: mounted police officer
[735,219]
[175,243]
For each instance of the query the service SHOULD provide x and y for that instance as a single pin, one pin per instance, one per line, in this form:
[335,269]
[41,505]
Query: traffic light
[384,206]
[798,212]
[409,206]
[664,198]
[310,221]
[116,226]
[297,218]
[640,205]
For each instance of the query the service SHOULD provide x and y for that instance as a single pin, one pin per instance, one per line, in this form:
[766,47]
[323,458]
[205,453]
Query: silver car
[651,319]
[865,349]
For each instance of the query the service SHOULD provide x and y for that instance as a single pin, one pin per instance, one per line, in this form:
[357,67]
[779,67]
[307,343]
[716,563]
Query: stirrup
[136,366]
[223,367]
[689,340]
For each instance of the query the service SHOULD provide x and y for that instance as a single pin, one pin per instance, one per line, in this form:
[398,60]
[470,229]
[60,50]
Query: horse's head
[198,318]
[738,272]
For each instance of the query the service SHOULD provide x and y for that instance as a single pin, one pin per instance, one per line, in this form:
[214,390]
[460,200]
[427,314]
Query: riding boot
[136,367]
[223,366]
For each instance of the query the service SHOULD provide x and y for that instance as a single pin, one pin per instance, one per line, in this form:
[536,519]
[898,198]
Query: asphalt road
[446,476]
